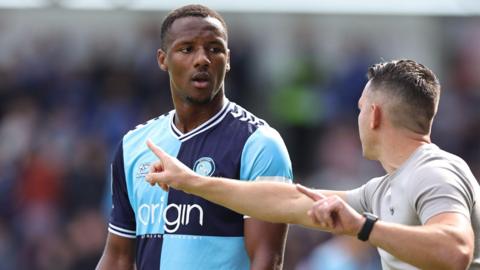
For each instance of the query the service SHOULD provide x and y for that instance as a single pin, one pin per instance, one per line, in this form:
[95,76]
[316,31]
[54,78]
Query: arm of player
[265,243]
[269,201]
[446,241]
[119,254]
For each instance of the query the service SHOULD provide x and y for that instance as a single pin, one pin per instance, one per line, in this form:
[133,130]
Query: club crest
[204,166]
[143,170]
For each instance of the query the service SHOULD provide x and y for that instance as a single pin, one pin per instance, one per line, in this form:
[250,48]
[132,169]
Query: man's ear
[228,60]
[161,60]
[376,116]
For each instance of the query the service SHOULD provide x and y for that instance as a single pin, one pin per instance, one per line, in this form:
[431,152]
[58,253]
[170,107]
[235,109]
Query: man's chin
[199,101]
[202,100]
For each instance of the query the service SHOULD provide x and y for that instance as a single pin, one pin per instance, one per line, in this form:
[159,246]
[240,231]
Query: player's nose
[202,59]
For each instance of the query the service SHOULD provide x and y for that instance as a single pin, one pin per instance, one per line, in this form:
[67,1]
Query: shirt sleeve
[122,217]
[439,190]
[360,198]
[265,157]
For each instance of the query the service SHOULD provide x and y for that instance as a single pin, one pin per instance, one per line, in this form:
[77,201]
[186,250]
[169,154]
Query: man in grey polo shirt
[423,214]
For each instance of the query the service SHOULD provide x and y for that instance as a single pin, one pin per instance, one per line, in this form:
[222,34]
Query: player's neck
[188,115]
[398,147]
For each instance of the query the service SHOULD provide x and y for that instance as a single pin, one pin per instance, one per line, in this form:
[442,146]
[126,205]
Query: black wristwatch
[367,226]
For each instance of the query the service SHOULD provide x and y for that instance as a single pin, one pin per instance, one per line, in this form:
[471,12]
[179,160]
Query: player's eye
[216,50]
[186,49]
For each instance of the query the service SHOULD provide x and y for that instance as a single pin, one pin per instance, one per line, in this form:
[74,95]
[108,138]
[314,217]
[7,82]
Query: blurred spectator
[342,253]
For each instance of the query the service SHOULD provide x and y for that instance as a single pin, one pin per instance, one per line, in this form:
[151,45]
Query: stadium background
[73,80]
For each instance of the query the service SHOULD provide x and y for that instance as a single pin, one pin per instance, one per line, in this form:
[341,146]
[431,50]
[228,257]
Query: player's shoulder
[434,160]
[144,129]
[435,166]
[259,129]
[244,117]
[267,135]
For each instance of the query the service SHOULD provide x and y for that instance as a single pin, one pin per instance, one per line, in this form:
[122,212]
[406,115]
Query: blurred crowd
[60,122]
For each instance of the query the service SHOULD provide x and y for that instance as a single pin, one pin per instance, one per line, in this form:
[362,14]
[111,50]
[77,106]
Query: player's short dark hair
[187,11]
[414,87]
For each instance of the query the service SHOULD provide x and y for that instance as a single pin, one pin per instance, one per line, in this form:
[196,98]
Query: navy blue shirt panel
[149,250]
[120,201]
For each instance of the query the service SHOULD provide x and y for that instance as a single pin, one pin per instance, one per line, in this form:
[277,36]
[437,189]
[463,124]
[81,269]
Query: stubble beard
[205,101]
[195,101]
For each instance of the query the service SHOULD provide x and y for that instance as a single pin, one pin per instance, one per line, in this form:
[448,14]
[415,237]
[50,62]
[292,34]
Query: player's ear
[376,116]
[228,60]
[161,60]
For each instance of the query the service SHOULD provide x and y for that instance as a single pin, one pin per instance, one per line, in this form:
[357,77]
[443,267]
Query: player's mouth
[201,80]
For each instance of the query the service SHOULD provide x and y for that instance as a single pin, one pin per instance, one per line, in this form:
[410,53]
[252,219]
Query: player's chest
[393,205]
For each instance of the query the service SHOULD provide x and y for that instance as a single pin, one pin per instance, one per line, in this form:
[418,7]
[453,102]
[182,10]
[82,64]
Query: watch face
[370,216]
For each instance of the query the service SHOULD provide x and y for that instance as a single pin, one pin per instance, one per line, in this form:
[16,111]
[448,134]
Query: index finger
[314,195]
[155,149]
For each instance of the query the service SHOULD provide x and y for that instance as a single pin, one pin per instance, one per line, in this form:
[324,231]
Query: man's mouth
[201,80]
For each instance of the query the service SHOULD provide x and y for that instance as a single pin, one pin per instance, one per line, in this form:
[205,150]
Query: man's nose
[201,58]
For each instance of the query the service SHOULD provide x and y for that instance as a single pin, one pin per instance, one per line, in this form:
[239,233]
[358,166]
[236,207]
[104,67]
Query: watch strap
[367,227]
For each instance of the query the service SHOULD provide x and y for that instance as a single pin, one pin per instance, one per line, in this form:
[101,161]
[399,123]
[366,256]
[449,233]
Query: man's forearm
[427,247]
[269,201]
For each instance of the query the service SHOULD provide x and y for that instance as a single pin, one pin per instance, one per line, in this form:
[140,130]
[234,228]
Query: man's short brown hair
[413,91]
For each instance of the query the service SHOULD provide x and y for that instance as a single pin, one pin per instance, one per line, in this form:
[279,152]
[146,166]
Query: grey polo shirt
[430,182]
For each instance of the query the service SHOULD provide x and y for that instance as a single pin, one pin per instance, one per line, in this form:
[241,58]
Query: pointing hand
[168,171]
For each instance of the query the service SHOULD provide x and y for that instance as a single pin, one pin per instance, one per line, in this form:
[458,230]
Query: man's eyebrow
[217,41]
[182,42]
